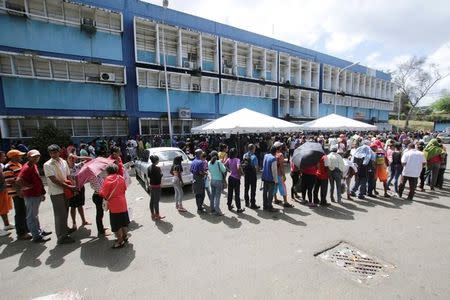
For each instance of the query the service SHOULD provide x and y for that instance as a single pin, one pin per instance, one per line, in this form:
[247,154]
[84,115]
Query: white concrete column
[288,70]
[250,62]
[158,55]
[235,60]
[264,66]
[217,60]
[200,52]
[180,50]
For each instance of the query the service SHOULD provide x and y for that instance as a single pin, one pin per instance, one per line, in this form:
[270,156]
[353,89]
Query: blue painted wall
[441,126]
[230,103]
[46,94]
[42,36]
[154,100]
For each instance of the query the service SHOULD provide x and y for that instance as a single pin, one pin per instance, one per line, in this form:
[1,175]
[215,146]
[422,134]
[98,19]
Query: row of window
[356,83]
[15,128]
[66,13]
[160,126]
[189,49]
[39,67]
[356,102]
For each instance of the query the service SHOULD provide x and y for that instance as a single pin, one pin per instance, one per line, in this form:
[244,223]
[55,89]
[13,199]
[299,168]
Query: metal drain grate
[361,266]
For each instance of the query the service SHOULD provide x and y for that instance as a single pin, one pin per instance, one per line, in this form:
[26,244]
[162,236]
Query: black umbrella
[307,155]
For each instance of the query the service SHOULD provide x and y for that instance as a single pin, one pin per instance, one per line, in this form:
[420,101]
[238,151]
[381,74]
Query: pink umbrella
[91,170]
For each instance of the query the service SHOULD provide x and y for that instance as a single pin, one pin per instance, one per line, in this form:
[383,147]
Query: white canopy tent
[246,121]
[334,122]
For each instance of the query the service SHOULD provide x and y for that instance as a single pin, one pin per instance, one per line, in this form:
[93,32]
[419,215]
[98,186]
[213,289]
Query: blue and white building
[95,68]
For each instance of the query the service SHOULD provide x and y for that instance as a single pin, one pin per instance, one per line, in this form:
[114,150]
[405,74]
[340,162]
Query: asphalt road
[254,255]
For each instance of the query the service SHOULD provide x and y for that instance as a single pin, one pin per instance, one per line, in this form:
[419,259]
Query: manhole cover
[359,265]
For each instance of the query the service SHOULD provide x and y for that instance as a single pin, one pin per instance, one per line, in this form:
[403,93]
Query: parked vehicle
[166,156]
[445,137]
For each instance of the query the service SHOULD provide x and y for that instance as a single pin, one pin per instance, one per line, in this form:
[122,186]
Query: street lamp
[337,82]
[169,118]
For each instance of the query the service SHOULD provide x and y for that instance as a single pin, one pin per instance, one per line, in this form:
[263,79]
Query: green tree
[442,105]
[414,79]
[46,136]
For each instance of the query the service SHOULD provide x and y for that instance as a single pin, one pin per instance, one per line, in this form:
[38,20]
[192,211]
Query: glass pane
[80,127]
[28,127]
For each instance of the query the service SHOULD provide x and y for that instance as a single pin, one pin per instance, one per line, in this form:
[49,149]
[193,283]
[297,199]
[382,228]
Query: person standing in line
[281,182]
[223,153]
[362,157]
[396,166]
[335,164]
[155,175]
[78,200]
[321,182]
[309,177]
[31,185]
[11,170]
[433,151]
[96,184]
[207,180]
[413,161]
[113,191]
[198,186]
[216,170]
[177,172]
[57,171]
[295,176]
[5,199]
[270,178]
[350,170]
[234,180]
[250,167]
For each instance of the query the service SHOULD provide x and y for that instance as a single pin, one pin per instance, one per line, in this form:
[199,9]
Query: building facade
[95,68]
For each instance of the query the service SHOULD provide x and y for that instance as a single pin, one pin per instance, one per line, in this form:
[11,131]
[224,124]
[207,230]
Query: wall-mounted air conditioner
[162,84]
[109,77]
[184,113]
[196,87]
[15,9]
[188,64]
[227,70]
[88,25]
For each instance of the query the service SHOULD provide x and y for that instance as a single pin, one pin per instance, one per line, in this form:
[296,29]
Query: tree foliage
[414,79]
[442,105]
[45,137]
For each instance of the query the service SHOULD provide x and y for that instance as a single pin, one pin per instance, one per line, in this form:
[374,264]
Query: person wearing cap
[380,167]
[198,186]
[11,170]
[34,193]
[57,171]
[335,164]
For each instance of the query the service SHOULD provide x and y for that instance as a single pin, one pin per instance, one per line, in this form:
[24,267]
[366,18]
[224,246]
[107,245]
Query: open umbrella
[91,169]
[307,155]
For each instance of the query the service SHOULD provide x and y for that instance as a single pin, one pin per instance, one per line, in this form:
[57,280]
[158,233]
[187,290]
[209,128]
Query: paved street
[255,255]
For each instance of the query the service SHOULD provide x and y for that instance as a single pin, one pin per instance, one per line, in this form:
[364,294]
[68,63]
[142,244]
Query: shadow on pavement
[13,247]
[351,206]
[98,253]
[29,257]
[279,215]
[334,212]
[432,204]
[246,217]
[164,226]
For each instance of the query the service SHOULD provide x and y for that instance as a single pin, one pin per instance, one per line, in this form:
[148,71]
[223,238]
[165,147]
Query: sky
[379,34]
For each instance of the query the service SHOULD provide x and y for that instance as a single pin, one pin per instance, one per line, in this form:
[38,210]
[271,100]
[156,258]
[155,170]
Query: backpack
[246,164]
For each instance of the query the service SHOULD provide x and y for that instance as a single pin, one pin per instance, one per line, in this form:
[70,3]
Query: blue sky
[378,33]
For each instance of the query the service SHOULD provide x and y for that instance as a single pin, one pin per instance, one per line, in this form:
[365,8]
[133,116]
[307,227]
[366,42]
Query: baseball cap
[33,153]
[277,144]
[14,153]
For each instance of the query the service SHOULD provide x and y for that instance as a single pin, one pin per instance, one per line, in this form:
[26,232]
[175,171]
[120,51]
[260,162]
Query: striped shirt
[10,172]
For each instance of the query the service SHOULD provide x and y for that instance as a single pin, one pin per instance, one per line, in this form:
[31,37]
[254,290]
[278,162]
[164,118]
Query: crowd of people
[350,164]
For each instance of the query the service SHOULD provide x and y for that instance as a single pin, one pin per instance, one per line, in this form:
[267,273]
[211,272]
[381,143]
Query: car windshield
[169,155]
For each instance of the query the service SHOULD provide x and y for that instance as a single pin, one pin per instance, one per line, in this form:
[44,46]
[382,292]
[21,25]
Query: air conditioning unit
[227,70]
[88,25]
[15,9]
[109,77]
[196,87]
[188,64]
[184,113]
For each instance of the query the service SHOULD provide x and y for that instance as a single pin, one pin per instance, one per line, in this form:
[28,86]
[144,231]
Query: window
[19,65]
[63,12]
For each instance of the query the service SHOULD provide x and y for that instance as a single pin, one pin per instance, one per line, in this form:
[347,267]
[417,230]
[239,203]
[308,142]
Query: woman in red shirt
[321,183]
[113,191]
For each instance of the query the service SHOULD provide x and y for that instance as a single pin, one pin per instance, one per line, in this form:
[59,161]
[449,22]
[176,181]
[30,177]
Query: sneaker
[4,232]
[254,206]
[312,205]
[376,193]
[288,205]
[371,196]
[332,199]
[325,203]
[65,240]
[41,239]
[240,210]
[201,210]
[386,195]
[9,227]
[72,230]
[362,197]
[230,207]
[45,233]
[218,214]
[270,209]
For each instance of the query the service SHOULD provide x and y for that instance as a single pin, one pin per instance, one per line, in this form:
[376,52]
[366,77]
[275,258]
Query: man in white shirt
[56,171]
[413,161]
[336,165]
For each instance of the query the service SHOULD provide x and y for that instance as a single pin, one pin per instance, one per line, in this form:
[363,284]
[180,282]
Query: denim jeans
[396,171]
[32,207]
[178,191]
[234,187]
[361,185]
[268,188]
[216,191]
[335,179]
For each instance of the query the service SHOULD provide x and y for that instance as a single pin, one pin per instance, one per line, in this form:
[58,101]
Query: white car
[166,156]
